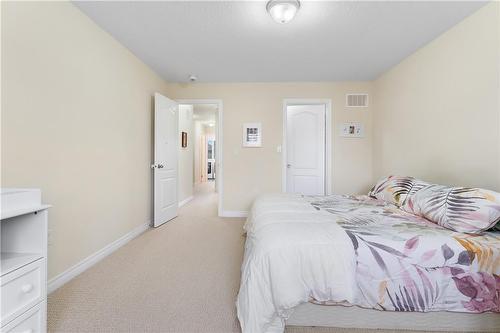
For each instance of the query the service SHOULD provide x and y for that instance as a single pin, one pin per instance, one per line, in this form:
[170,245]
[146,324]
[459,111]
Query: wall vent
[356,100]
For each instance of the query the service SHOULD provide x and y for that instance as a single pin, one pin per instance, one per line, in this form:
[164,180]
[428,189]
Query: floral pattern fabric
[462,209]
[406,263]
[392,189]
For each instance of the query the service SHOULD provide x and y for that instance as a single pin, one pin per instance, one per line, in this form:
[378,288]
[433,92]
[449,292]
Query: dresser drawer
[22,289]
[32,321]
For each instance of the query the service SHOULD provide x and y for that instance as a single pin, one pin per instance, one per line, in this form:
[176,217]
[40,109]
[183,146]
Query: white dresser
[23,261]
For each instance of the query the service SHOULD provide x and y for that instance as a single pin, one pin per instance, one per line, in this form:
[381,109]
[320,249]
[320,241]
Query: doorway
[205,170]
[307,147]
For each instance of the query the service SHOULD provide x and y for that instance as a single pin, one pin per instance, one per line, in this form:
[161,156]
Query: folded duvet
[355,250]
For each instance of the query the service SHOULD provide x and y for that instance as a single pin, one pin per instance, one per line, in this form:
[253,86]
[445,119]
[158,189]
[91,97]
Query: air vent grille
[357,100]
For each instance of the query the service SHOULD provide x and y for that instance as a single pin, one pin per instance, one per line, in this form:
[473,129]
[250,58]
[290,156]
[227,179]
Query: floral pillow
[395,189]
[462,209]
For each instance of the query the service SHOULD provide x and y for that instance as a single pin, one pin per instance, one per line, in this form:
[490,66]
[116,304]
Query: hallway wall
[198,132]
[202,134]
[186,155]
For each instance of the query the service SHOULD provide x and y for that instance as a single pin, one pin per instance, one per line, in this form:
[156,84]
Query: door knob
[157,166]
[288,165]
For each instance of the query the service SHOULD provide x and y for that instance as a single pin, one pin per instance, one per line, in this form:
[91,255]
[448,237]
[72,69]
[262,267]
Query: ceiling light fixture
[283,11]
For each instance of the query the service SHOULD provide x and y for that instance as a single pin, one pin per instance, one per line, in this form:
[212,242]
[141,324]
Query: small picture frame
[184,139]
[252,135]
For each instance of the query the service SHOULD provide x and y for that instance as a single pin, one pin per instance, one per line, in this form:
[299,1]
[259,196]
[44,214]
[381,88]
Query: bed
[323,260]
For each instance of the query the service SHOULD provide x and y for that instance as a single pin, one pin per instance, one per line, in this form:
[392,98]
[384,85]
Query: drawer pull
[27,288]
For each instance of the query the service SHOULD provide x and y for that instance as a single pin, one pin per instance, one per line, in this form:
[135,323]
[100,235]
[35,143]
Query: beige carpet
[181,277]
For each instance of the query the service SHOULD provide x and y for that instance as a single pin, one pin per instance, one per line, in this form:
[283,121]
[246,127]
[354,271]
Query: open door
[165,159]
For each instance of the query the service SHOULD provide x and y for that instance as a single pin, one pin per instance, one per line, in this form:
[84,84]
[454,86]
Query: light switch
[278,149]
[352,130]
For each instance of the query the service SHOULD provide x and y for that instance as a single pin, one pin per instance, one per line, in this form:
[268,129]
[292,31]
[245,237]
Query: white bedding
[293,253]
[356,250]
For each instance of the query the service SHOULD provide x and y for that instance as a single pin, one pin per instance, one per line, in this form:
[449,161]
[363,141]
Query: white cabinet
[23,260]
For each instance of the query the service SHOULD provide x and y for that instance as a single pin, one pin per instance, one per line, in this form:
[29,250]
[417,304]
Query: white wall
[204,114]
[198,132]
[77,123]
[252,171]
[437,113]
[186,155]
[202,134]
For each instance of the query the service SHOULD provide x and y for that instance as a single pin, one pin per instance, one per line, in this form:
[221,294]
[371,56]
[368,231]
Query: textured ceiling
[232,41]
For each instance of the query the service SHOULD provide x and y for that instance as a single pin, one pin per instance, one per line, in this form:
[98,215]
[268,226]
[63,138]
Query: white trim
[185,201]
[219,141]
[60,279]
[328,138]
[234,213]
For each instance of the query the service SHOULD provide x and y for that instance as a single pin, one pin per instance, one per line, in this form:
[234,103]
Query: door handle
[157,166]
[288,165]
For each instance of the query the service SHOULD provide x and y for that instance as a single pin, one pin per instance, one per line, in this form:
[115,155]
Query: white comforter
[293,253]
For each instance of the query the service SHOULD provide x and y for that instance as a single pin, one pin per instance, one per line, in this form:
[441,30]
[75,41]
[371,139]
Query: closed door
[305,149]
[165,159]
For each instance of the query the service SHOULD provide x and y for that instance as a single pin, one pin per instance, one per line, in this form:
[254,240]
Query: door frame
[328,139]
[218,139]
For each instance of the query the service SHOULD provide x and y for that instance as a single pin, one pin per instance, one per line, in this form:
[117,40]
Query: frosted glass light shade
[283,11]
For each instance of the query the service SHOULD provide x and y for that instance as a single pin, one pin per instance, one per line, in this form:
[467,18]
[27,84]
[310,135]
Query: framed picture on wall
[184,139]
[252,135]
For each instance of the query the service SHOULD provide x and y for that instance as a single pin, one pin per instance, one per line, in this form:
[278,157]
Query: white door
[211,159]
[165,159]
[305,149]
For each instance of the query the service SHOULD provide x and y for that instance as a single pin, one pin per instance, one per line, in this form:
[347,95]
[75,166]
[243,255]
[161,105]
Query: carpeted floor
[180,277]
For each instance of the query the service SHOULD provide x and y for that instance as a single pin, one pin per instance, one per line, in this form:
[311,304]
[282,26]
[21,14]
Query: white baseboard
[60,279]
[185,201]
[234,213]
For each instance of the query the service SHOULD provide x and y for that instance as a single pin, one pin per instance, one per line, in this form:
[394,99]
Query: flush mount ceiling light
[283,11]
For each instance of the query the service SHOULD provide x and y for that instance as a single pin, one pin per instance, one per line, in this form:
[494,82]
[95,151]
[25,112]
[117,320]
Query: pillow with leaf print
[395,189]
[462,209]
